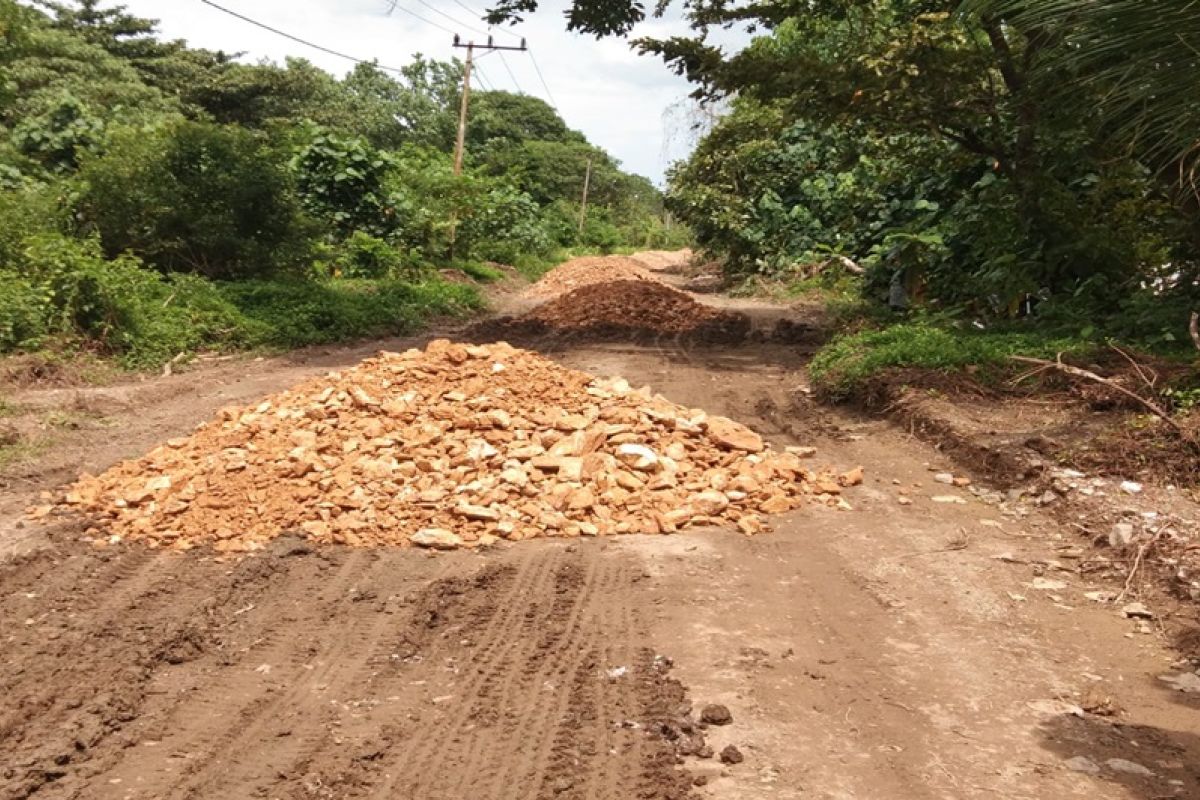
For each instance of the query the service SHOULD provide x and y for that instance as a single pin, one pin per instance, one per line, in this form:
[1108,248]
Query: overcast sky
[602,88]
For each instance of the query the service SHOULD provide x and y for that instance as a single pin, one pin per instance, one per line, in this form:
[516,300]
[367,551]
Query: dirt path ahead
[933,650]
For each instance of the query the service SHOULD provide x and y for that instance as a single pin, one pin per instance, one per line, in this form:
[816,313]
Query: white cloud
[616,97]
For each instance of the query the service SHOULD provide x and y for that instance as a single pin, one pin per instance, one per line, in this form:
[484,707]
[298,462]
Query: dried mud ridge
[308,672]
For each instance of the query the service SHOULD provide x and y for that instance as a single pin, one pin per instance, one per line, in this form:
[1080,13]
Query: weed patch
[846,363]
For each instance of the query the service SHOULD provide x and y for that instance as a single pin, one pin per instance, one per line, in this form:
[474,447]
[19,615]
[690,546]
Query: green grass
[843,366]
[479,271]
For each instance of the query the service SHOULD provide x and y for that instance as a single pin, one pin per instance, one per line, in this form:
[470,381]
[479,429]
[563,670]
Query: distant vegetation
[157,199]
[1024,167]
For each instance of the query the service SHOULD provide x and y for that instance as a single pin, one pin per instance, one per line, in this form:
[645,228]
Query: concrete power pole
[587,182]
[460,143]
[464,108]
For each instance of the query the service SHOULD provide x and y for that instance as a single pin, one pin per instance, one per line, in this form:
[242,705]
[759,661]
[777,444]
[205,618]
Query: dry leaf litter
[453,446]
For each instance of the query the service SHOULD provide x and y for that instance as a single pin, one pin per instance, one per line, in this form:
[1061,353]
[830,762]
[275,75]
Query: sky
[618,99]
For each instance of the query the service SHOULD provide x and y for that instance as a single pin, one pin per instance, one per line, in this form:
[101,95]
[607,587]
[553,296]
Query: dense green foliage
[157,199]
[1006,173]
[914,141]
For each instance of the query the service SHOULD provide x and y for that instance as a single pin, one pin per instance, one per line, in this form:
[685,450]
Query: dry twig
[1137,561]
[1078,372]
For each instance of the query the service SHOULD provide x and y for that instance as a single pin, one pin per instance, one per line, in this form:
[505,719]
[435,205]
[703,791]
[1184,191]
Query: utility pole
[464,107]
[587,182]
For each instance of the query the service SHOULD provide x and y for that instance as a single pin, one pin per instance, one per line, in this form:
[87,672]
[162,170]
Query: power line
[483,78]
[468,9]
[297,39]
[508,69]
[394,5]
[542,78]
[479,16]
[457,22]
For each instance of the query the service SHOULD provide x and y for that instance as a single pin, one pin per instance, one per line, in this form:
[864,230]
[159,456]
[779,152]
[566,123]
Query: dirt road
[930,650]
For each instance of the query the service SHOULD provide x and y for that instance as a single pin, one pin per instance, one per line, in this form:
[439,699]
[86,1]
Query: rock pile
[452,446]
[585,271]
[627,310]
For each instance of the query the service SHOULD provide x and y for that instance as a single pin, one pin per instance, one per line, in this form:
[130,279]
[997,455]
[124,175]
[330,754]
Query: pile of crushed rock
[453,446]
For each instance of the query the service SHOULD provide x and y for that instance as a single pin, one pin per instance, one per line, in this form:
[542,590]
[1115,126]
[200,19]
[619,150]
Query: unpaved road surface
[885,653]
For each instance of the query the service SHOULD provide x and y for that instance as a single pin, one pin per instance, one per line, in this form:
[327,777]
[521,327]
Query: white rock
[1120,535]
[1137,611]
[1131,487]
[1083,764]
[436,538]
[1048,585]
[1130,767]
[638,456]
[944,477]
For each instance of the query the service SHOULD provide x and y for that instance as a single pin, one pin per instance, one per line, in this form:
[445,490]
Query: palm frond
[1135,63]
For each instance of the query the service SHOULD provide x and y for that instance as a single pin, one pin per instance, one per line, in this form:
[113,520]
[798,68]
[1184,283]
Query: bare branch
[1149,405]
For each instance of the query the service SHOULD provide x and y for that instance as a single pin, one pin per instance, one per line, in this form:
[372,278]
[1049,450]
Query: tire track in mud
[234,703]
[500,652]
[78,687]
[562,632]
[391,674]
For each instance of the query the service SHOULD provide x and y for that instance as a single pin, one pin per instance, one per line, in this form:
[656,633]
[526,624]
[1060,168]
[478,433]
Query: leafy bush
[502,225]
[68,289]
[846,363]
[342,180]
[364,256]
[293,314]
[196,197]
[27,211]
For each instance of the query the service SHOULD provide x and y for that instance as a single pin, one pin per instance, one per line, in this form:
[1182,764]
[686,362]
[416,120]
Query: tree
[1137,60]
[120,33]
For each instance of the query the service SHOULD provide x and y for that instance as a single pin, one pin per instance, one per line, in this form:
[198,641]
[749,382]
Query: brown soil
[330,673]
[584,271]
[622,310]
[931,650]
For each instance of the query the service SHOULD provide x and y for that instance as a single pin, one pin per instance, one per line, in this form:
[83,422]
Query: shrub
[293,314]
[503,225]
[365,256]
[342,180]
[196,197]
[67,288]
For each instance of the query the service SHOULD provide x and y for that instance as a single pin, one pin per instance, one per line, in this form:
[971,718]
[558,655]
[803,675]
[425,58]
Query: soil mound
[626,310]
[452,446]
[579,272]
[663,260]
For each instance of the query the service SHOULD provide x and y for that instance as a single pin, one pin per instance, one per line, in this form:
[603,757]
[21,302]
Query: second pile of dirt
[584,271]
[623,310]
[453,446]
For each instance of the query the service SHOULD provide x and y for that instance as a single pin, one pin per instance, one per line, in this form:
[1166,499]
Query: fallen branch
[1149,405]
